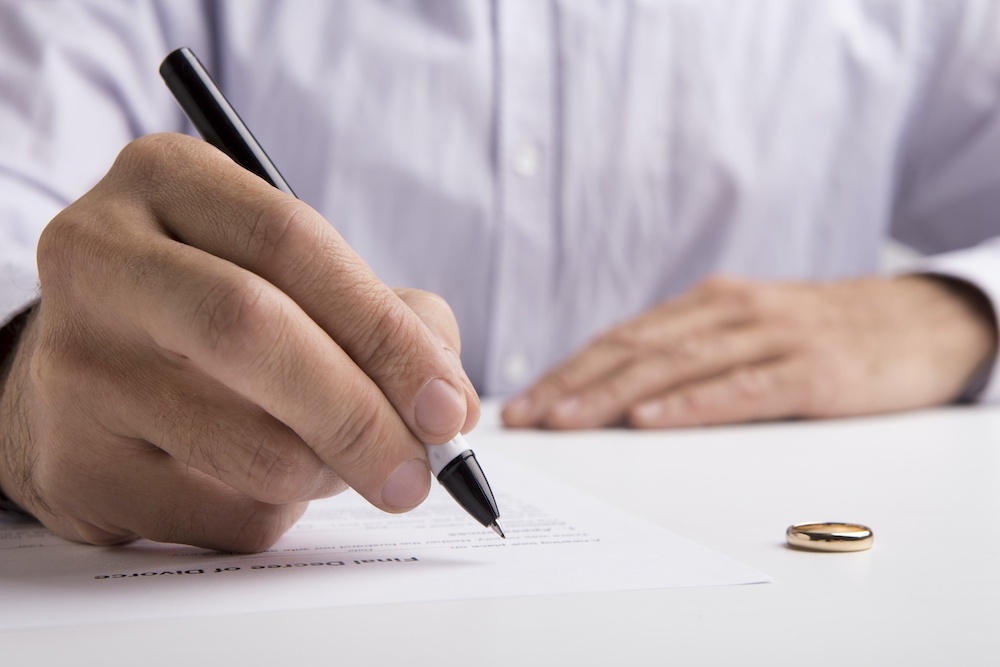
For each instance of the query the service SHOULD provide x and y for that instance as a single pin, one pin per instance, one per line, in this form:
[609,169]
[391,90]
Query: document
[343,552]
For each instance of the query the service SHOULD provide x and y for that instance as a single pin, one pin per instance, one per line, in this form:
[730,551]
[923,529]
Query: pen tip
[497,529]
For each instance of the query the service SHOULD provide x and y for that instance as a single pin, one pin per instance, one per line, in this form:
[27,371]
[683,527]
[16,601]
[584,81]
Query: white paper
[344,552]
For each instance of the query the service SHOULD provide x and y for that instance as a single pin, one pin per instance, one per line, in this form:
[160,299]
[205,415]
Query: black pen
[453,463]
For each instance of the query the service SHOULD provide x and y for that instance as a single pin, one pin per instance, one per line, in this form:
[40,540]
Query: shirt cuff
[11,513]
[18,290]
[980,267]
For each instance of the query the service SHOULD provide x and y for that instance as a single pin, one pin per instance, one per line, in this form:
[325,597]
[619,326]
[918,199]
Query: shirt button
[515,368]
[526,159]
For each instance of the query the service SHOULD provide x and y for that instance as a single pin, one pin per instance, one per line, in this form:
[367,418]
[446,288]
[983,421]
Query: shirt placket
[525,259]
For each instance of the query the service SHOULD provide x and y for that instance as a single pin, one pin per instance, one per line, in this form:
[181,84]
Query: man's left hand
[733,350]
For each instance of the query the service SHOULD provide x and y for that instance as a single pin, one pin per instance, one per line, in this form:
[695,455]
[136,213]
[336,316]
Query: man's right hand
[208,354]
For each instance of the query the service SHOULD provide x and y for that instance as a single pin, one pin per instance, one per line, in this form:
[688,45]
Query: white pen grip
[438,456]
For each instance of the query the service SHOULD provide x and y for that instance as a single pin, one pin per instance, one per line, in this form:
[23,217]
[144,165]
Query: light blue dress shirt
[549,167]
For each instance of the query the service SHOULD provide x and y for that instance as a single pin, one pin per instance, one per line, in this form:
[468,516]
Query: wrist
[971,326]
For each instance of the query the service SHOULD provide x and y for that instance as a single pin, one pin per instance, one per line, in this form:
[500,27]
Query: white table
[928,593]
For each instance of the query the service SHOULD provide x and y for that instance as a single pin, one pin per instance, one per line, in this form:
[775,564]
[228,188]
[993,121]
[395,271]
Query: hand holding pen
[453,463]
[208,354]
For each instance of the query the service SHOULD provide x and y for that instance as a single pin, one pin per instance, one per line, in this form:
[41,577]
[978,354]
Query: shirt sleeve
[979,266]
[78,80]
[948,202]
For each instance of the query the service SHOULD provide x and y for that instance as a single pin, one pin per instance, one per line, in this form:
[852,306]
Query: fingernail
[439,408]
[407,486]
[519,410]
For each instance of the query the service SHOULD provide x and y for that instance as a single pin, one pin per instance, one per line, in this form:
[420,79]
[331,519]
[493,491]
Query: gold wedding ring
[829,536]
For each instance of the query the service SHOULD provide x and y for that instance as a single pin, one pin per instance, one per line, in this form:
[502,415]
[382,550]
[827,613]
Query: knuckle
[263,237]
[635,337]
[67,238]
[54,246]
[743,299]
[616,390]
[751,383]
[93,535]
[720,284]
[76,252]
[234,316]
[139,156]
[166,524]
[356,441]
[281,473]
[390,336]
[263,525]
[615,393]
[144,161]
[429,301]
[696,401]
[690,406]
[156,168]
[629,342]
[558,382]
[686,351]
[622,340]
[432,309]
[741,295]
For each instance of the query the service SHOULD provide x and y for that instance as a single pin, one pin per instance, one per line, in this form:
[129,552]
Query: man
[207,354]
